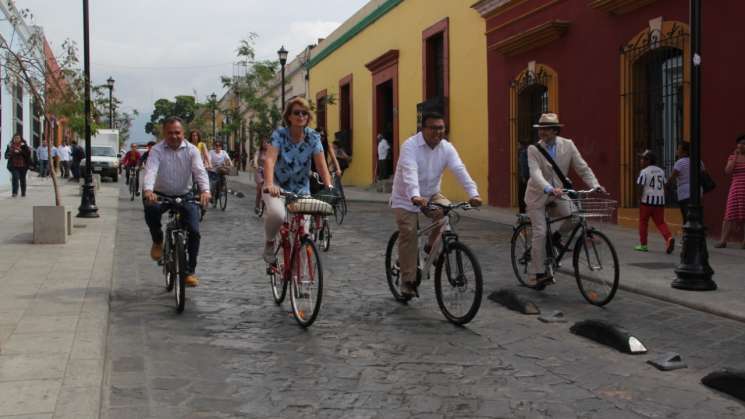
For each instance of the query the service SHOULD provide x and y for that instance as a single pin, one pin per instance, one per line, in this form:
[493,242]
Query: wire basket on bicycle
[595,209]
[328,196]
[309,206]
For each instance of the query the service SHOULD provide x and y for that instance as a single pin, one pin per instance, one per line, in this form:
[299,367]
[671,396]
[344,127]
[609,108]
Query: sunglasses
[300,113]
[436,128]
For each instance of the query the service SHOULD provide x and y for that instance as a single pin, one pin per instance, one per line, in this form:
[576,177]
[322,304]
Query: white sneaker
[269,256]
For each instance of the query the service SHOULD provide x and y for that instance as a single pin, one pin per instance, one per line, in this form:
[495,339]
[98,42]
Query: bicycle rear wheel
[276,272]
[306,283]
[393,269]
[520,248]
[179,258]
[223,194]
[596,267]
[458,283]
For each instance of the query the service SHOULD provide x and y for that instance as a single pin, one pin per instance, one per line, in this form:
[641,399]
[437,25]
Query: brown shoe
[191,280]
[156,251]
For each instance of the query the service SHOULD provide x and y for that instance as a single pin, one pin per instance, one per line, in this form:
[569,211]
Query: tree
[56,92]
[185,107]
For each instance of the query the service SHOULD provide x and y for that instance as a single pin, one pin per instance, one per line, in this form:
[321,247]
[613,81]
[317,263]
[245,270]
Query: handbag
[707,183]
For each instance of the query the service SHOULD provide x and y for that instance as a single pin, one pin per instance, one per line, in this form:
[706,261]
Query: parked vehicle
[104,153]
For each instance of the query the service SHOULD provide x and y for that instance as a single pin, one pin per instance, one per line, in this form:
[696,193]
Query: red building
[618,74]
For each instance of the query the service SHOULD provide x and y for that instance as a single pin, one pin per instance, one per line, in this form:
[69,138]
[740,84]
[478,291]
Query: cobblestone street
[234,353]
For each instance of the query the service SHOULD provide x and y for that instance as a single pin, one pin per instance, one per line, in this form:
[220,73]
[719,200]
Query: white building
[15,103]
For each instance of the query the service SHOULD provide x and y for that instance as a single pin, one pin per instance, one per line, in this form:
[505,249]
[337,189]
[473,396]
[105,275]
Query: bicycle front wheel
[520,249]
[325,235]
[132,188]
[179,258]
[306,283]
[458,283]
[169,269]
[596,267]
[223,190]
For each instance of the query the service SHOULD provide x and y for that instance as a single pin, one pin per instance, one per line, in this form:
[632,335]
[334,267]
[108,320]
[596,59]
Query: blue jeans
[43,168]
[190,214]
[18,178]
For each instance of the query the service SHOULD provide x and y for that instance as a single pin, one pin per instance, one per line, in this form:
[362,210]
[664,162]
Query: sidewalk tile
[78,403]
[46,343]
[28,397]
[32,367]
[46,324]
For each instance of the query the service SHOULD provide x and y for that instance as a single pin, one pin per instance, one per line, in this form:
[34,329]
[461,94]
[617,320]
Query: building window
[435,67]
[321,105]
[345,114]
[532,93]
[654,91]
[18,109]
[36,126]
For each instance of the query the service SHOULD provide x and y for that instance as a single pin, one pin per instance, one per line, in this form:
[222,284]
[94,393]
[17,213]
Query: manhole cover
[80,225]
[654,265]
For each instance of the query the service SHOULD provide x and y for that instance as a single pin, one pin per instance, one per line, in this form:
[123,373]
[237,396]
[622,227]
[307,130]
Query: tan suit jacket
[542,173]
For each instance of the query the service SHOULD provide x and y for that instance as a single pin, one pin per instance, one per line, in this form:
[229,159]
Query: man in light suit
[545,187]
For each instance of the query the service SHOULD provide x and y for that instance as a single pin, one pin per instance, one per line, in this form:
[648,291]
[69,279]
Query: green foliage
[185,107]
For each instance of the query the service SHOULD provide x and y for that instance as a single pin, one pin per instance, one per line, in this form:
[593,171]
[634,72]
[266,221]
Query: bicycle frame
[290,232]
[444,236]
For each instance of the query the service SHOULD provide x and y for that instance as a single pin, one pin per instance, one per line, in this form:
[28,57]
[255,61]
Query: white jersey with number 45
[652,180]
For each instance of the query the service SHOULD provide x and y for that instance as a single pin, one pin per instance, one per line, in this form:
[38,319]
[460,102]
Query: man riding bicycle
[220,164]
[130,161]
[424,158]
[169,170]
[546,189]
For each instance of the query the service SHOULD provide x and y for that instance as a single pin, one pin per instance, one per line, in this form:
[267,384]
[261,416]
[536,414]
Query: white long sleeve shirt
[170,171]
[420,168]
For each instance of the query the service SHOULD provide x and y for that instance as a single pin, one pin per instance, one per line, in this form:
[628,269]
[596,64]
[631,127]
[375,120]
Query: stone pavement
[649,274]
[234,354]
[54,307]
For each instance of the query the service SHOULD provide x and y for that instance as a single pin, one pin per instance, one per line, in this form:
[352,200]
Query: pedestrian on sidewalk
[384,149]
[682,178]
[65,156]
[18,154]
[734,216]
[42,156]
[652,180]
[78,154]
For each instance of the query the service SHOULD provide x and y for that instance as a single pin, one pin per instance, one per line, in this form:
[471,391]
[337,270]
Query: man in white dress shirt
[424,158]
[169,169]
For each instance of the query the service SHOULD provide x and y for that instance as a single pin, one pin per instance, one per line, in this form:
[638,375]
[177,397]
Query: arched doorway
[533,92]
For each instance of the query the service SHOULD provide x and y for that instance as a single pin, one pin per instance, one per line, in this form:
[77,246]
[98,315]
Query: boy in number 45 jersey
[652,205]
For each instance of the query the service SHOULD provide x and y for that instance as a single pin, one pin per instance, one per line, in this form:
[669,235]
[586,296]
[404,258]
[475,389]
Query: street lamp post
[282,53]
[110,85]
[87,207]
[694,272]
[213,97]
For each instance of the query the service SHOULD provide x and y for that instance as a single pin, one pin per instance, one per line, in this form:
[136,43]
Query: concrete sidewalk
[54,306]
[648,274]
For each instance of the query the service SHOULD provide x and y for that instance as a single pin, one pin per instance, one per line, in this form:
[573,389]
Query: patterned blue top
[293,162]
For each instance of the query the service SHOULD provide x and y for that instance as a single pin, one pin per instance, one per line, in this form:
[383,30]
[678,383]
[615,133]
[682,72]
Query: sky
[162,48]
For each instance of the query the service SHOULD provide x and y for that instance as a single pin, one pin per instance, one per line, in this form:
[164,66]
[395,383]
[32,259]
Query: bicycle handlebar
[449,207]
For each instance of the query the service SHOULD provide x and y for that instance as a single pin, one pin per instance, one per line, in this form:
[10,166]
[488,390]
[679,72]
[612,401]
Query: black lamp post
[694,272]
[213,97]
[87,207]
[110,85]
[282,53]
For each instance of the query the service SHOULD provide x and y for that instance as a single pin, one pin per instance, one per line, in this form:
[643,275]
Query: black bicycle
[594,258]
[458,281]
[340,205]
[220,192]
[175,257]
[133,177]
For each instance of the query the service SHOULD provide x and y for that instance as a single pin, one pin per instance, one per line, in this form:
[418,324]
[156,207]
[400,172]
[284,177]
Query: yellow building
[370,75]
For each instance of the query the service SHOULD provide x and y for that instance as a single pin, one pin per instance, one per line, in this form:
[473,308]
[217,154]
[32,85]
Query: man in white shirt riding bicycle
[424,158]
[546,189]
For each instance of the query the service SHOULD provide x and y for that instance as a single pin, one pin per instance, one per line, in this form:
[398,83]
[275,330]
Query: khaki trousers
[537,214]
[408,248]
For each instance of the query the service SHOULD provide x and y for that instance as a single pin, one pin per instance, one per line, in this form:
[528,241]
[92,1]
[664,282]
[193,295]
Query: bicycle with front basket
[220,191]
[458,281]
[175,257]
[594,259]
[297,261]
[133,174]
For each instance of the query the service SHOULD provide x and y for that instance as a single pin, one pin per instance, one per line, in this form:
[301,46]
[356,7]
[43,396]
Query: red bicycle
[297,261]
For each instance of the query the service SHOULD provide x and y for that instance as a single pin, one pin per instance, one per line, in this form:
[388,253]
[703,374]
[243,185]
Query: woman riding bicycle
[220,164]
[287,164]
[195,137]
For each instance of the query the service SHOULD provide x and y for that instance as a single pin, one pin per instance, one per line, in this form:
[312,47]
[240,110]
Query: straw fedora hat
[548,120]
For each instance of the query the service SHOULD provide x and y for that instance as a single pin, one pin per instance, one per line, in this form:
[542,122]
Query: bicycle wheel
[596,267]
[132,188]
[306,283]
[393,270]
[325,235]
[276,272]
[179,258]
[215,197]
[459,293]
[223,195]
[520,247]
[260,209]
[169,271]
